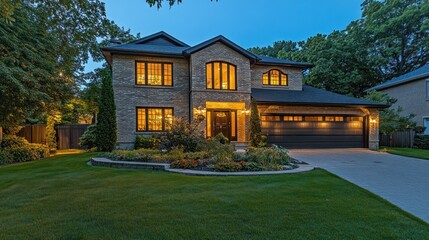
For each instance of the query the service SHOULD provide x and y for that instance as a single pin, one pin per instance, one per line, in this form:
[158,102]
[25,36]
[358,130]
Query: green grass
[63,198]
[408,152]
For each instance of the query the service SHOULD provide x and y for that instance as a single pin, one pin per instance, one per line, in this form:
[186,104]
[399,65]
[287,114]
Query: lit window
[354,119]
[154,74]
[154,119]
[313,118]
[270,118]
[334,119]
[274,77]
[221,75]
[292,118]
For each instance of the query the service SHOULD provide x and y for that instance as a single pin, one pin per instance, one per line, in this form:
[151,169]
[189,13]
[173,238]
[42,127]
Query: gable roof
[310,96]
[160,35]
[163,44]
[160,43]
[417,74]
[225,41]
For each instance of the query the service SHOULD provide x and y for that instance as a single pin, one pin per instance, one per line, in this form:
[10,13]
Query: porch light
[200,112]
[245,111]
[373,120]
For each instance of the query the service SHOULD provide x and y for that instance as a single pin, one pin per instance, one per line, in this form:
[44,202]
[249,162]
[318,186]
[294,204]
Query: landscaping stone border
[104,162]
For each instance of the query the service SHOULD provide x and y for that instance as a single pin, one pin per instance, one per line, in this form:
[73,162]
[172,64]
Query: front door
[221,123]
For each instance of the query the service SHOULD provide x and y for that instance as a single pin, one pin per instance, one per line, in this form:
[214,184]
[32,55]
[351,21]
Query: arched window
[274,77]
[221,75]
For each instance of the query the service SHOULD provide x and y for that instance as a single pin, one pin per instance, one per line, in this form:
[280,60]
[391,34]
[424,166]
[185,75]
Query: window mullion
[145,73]
[162,74]
[146,112]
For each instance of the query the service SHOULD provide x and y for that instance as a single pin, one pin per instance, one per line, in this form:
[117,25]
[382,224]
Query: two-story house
[158,77]
[411,91]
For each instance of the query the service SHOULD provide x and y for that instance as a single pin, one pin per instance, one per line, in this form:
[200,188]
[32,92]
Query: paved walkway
[401,180]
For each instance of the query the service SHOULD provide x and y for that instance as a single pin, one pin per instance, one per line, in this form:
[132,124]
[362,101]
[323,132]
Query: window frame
[280,78]
[427,89]
[146,73]
[220,75]
[147,118]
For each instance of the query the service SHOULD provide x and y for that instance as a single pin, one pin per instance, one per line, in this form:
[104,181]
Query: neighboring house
[158,77]
[412,92]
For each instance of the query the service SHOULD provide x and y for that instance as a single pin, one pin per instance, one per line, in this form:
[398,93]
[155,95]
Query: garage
[315,118]
[314,131]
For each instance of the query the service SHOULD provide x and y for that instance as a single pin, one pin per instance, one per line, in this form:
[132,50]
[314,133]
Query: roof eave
[393,84]
[323,104]
[145,53]
[298,65]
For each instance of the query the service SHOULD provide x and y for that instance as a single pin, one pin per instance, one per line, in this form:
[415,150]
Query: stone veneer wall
[200,94]
[295,77]
[372,113]
[128,96]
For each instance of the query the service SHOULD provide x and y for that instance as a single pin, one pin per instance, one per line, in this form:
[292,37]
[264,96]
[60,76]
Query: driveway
[402,181]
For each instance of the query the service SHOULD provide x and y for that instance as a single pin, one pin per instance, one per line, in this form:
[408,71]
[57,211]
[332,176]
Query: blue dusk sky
[248,23]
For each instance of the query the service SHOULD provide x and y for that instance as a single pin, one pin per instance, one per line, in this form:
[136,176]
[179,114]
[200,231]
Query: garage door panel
[311,132]
[314,138]
[320,134]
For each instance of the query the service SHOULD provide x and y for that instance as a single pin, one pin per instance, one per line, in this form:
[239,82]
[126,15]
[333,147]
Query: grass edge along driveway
[63,197]
[408,152]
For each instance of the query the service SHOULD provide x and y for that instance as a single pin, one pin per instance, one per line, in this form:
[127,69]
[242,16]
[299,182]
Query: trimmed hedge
[421,141]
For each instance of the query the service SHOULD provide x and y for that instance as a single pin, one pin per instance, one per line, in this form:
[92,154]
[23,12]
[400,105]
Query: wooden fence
[398,139]
[34,133]
[67,135]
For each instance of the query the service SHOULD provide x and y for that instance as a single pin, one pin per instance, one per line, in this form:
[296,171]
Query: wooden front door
[221,123]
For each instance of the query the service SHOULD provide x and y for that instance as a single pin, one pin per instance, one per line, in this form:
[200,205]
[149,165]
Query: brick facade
[189,91]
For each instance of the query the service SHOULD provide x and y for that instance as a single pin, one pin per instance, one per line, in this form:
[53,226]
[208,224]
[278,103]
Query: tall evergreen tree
[106,120]
[256,137]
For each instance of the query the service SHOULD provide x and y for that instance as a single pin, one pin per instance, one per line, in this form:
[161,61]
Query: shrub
[5,157]
[252,166]
[51,134]
[26,153]
[421,141]
[419,129]
[11,141]
[219,152]
[147,142]
[269,158]
[185,164]
[197,155]
[87,140]
[183,134]
[174,154]
[228,166]
[141,155]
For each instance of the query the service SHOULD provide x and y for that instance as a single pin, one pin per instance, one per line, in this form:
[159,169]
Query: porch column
[373,136]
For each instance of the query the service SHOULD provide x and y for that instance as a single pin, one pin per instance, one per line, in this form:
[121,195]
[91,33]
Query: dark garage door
[314,131]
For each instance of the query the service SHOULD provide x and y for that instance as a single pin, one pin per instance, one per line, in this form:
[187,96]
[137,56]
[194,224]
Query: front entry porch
[228,118]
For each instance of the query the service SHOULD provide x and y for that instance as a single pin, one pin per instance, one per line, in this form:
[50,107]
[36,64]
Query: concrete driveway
[402,181]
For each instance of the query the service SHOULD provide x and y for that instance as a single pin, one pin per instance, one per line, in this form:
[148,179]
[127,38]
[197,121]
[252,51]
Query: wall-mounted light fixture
[245,111]
[373,120]
[200,112]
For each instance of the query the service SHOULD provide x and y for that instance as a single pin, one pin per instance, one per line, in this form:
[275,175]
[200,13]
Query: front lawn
[409,152]
[63,198]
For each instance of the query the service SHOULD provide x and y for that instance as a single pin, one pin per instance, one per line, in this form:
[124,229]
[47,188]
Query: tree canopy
[391,38]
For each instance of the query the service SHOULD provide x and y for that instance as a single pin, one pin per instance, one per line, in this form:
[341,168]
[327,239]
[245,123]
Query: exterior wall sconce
[245,111]
[200,112]
[373,120]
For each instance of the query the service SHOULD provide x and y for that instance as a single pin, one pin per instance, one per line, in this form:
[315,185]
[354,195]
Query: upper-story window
[154,74]
[221,75]
[274,77]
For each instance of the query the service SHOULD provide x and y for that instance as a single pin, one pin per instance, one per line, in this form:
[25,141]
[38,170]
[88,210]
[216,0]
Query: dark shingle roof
[265,60]
[163,44]
[309,96]
[408,77]
[225,41]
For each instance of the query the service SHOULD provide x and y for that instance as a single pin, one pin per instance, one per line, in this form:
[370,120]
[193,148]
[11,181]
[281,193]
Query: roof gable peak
[160,38]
